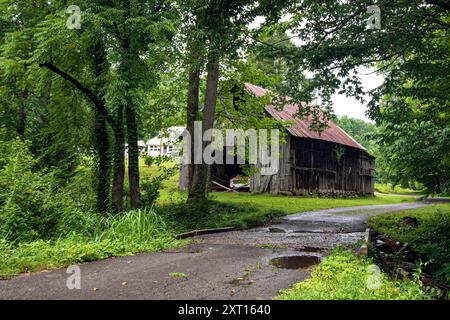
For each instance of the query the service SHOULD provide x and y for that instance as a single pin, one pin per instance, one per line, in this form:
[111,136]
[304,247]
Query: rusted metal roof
[301,127]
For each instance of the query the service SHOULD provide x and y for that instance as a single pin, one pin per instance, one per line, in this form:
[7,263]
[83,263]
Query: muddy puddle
[295,262]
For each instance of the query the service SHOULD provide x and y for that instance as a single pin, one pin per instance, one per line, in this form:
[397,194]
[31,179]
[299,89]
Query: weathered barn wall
[309,166]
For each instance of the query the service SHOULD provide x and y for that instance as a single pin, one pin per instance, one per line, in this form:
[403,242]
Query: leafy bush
[150,188]
[344,276]
[32,204]
[148,160]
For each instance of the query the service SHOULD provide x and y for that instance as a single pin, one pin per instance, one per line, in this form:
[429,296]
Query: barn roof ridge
[300,128]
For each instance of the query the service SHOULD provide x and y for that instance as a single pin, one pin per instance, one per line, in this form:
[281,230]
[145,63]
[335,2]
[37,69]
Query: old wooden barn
[329,163]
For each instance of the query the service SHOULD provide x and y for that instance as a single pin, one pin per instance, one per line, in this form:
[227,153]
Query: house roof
[169,135]
[301,127]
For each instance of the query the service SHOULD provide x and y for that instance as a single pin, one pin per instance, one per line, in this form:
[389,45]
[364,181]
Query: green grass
[216,214]
[125,234]
[292,204]
[344,276]
[389,188]
[431,239]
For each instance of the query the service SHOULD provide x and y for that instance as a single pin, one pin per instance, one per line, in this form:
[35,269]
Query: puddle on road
[295,262]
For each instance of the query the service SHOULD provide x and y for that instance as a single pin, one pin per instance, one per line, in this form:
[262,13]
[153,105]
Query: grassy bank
[389,188]
[430,239]
[217,214]
[246,210]
[344,276]
[125,234]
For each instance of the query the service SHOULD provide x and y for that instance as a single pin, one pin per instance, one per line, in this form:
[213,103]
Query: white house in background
[163,143]
[141,146]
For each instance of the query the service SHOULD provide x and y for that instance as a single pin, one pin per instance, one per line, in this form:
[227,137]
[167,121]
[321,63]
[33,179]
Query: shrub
[26,212]
[150,190]
[148,160]
[33,205]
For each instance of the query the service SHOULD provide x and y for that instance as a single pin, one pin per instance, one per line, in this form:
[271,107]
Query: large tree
[107,65]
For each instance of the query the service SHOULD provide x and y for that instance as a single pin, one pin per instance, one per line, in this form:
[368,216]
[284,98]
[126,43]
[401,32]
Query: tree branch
[99,104]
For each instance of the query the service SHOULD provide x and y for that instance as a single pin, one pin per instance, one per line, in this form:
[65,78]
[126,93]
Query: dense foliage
[35,204]
[344,276]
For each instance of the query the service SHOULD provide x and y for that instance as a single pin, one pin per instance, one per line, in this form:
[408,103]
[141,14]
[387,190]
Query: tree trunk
[103,163]
[119,162]
[192,110]
[133,157]
[22,115]
[201,175]
[102,144]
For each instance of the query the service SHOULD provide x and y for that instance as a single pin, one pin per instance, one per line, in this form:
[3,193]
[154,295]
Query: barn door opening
[223,174]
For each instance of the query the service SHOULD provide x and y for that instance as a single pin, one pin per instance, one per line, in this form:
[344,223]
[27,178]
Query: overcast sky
[349,106]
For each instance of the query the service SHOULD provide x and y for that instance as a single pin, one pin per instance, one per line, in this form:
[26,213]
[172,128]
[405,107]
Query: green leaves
[344,276]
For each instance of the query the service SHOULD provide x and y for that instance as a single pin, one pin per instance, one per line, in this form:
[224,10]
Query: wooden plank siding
[308,166]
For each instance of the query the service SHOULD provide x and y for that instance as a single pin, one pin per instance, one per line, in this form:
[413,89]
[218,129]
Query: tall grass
[136,231]
[141,226]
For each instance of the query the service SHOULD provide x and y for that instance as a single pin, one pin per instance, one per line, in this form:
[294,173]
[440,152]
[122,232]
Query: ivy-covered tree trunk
[103,163]
[119,162]
[201,175]
[133,157]
[102,144]
[127,72]
[192,110]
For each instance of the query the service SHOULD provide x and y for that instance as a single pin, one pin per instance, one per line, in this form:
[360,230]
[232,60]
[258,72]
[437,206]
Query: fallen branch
[203,231]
